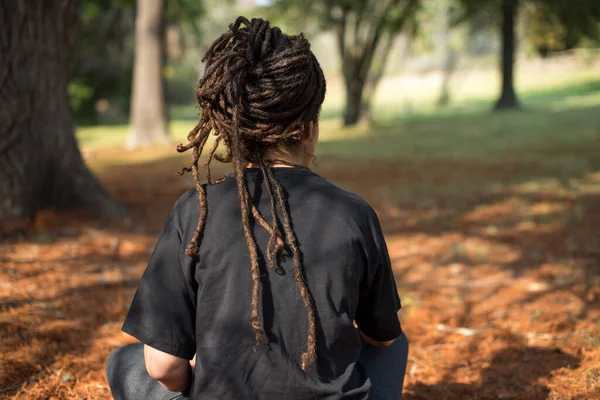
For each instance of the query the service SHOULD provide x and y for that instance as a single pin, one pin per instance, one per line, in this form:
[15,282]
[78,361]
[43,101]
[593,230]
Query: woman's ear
[308,131]
[309,143]
[311,132]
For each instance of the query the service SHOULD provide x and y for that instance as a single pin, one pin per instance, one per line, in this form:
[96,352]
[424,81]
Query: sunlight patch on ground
[576,102]
[587,184]
[412,93]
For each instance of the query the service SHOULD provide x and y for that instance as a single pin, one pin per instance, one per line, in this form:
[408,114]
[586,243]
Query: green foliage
[544,29]
[103,58]
[479,11]
[90,10]
[181,82]
[78,94]
[331,14]
[554,25]
[549,24]
[434,24]
[186,13]
[104,49]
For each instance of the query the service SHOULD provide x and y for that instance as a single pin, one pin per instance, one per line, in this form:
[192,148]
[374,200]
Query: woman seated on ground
[273,281]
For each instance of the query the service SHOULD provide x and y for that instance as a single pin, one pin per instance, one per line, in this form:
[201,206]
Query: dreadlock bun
[272,80]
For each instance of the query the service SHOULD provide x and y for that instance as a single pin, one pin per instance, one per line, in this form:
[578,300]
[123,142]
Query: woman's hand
[193,362]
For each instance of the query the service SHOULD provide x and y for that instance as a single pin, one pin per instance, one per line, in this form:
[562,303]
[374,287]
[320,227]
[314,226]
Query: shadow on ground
[498,378]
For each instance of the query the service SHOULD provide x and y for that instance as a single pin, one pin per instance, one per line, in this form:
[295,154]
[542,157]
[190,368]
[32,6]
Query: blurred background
[471,126]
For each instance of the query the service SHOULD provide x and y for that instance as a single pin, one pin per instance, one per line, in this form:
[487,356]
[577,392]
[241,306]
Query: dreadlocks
[260,90]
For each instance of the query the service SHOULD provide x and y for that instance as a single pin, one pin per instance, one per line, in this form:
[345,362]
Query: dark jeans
[128,379]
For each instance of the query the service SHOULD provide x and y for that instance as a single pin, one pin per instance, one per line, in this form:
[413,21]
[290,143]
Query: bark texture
[148,108]
[40,163]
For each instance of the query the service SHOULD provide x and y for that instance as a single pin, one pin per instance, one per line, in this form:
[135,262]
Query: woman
[273,281]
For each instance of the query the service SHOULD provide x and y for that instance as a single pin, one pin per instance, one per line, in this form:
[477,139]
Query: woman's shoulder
[186,199]
[343,201]
[190,197]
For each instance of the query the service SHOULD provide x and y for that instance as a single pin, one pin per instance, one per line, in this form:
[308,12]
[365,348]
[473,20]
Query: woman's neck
[281,158]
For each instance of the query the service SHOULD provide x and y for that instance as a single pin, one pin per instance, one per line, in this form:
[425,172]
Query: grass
[476,136]
[561,111]
[477,90]
[543,147]
[114,135]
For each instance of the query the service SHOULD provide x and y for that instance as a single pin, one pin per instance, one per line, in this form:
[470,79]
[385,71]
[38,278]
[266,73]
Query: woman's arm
[173,373]
[377,343]
[369,340]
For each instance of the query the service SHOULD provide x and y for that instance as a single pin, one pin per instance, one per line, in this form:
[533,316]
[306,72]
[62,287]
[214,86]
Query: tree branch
[341,32]
[377,72]
[395,28]
[360,17]
[371,45]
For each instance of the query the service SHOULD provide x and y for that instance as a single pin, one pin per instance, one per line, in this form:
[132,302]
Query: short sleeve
[379,303]
[163,312]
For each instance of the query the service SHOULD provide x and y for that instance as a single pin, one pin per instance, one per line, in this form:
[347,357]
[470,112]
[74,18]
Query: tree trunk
[377,74]
[40,163]
[359,35]
[148,106]
[354,101]
[448,68]
[508,99]
[444,51]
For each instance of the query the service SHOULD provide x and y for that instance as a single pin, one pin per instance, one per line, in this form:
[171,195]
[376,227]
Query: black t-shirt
[185,307]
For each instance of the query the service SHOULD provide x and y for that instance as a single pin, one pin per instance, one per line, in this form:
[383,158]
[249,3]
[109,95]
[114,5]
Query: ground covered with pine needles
[493,234]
